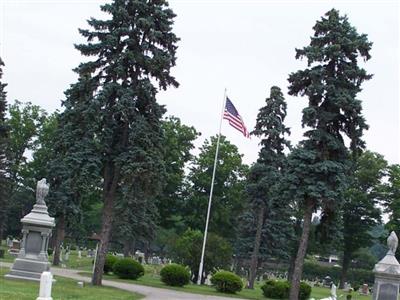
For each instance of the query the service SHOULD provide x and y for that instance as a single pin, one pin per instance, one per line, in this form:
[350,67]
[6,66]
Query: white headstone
[79,254]
[46,281]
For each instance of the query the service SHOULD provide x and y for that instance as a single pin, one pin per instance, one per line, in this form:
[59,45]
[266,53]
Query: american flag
[235,120]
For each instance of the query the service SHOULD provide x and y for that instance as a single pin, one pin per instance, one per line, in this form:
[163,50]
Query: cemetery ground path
[150,293]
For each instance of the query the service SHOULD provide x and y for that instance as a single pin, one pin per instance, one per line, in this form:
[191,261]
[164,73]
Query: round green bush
[227,282]
[277,289]
[175,275]
[127,268]
[109,263]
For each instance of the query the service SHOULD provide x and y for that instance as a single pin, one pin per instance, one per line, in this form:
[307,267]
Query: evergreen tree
[331,83]
[142,183]
[361,212]
[266,207]
[4,163]
[73,164]
[132,51]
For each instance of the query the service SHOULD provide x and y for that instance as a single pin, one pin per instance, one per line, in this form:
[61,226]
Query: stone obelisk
[37,226]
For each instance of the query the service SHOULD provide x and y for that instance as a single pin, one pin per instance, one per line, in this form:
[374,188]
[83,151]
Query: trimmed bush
[109,263]
[227,282]
[127,268]
[175,275]
[277,289]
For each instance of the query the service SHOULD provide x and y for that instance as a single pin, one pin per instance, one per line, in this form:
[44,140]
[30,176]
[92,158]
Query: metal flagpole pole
[211,193]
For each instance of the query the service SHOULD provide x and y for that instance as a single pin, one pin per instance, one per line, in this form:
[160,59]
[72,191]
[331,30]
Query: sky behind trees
[244,46]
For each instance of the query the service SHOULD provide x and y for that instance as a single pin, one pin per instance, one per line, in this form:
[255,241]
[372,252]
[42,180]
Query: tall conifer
[132,51]
[265,174]
[331,82]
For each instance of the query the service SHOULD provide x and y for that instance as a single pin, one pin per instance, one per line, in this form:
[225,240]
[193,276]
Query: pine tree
[265,174]
[331,83]
[4,163]
[132,51]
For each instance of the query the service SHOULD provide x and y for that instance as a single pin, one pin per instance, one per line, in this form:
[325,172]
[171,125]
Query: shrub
[127,268]
[109,263]
[305,291]
[175,275]
[227,282]
[49,251]
[276,289]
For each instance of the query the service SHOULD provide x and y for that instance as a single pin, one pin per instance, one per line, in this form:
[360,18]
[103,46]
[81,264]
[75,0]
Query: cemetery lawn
[84,263]
[151,278]
[62,289]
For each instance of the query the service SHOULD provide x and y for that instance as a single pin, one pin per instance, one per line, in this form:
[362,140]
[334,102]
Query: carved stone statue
[392,243]
[42,189]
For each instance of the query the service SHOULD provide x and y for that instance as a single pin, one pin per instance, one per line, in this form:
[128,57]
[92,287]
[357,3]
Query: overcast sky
[244,46]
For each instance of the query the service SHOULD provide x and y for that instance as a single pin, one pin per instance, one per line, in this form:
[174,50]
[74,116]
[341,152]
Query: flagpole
[211,194]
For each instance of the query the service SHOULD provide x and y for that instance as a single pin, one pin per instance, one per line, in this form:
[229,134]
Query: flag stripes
[235,120]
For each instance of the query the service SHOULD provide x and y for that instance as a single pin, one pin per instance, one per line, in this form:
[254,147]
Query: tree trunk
[257,242]
[127,248]
[301,252]
[1,230]
[345,268]
[297,230]
[111,178]
[59,238]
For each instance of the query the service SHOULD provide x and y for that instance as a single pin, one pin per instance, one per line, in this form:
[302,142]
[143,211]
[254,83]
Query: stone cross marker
[37,226]
[387,273]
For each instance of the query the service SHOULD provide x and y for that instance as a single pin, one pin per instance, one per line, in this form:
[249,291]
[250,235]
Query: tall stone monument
[387,273]
[32,259]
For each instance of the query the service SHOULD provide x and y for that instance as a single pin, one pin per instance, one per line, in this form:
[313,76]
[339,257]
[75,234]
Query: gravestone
[365,289]
[387,273]
[15,248]
[32,258]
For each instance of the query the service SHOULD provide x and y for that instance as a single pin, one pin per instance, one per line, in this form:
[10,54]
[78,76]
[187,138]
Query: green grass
[84,263]
[151,278]
[62,289]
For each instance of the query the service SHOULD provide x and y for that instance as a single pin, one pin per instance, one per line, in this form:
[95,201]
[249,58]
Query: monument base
[28,269]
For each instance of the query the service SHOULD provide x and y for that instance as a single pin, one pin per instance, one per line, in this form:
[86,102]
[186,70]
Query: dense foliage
[187,251]
[127,268]
[109,263]
[227,282]
[277,289]
[175,275]
[331,83]
[228,191]
[265,223]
